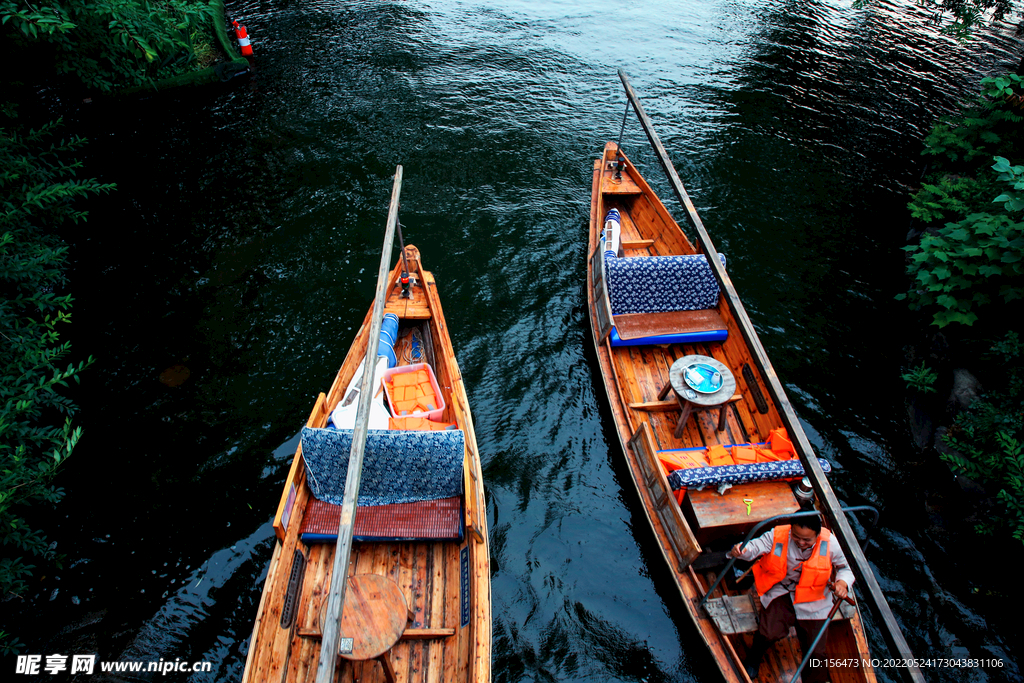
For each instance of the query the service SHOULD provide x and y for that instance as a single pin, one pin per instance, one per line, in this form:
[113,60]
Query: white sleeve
[758,546]
[839,562]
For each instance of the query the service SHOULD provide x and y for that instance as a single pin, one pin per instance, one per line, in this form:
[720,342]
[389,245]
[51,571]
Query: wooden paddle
[343,550]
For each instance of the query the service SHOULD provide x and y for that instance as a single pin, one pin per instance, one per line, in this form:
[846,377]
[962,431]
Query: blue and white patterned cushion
[654,284]
[399,466]
[739,474]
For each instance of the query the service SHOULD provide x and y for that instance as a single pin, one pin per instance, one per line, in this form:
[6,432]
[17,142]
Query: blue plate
[705,372]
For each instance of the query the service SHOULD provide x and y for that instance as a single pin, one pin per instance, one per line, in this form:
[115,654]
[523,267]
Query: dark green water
[243,240]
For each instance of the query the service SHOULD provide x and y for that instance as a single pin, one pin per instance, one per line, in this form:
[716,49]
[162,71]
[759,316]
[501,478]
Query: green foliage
[112,44]
[1013,201]
[972,263]
[961,179]
[989,439]
[921,379]
[961,17]
[976,259]
[951,195]
[8,646]
[38,189]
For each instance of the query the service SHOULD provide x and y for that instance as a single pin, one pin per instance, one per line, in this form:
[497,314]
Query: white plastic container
[612,232]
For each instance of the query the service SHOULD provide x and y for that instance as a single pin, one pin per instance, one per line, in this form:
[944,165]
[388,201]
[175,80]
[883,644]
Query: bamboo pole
[343,550]
[840,526]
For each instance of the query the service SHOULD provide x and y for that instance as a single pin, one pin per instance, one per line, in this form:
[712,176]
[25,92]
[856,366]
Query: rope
[414,352]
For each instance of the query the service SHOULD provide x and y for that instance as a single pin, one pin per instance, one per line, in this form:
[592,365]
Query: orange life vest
[417,423]
[814,575]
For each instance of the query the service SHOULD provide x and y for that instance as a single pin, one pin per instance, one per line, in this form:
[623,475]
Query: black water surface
[243,240]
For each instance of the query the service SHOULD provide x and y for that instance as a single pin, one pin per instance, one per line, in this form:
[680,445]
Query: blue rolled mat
[388,335]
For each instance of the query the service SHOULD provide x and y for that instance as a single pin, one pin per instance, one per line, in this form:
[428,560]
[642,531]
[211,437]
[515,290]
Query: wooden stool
[373,619]
[691,401]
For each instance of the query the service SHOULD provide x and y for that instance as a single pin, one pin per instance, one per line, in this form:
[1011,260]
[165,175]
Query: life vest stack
[412,391]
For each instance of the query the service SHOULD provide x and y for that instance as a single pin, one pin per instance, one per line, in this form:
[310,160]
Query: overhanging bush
[38,189]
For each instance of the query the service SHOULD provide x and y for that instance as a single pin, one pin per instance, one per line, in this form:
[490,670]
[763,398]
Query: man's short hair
[812,522]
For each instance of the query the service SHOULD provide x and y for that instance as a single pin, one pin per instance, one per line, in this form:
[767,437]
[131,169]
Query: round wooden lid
[374,616]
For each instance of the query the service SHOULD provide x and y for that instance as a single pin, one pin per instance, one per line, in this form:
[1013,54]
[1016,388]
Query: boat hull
[445,584]
[691,532]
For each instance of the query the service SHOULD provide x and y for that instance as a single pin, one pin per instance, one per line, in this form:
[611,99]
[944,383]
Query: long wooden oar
[343,550]
[839,525]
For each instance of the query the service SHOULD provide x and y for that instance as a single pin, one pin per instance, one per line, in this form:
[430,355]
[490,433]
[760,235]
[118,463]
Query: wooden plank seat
[399,466]
[425,520]
[636,325]
[411,486]
[663,300]
[735,614]
[714,516]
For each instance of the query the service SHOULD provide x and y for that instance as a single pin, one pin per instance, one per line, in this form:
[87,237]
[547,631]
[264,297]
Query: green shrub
[38,190]
[969,264]
[960,180]
[109,44]
[921,379]
[990,440]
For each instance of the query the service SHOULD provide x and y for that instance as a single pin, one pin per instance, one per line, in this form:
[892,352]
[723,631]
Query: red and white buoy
[243,39]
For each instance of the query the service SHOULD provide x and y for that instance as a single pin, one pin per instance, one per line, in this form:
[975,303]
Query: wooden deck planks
[433,613]
[738,354]
[666,233]
[453,647]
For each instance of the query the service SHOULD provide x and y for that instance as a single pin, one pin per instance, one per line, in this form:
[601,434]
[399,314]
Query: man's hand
[840,589]
[735,552]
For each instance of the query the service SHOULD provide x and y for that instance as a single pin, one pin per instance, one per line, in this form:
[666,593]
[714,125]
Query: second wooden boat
[704,439]
[417,600]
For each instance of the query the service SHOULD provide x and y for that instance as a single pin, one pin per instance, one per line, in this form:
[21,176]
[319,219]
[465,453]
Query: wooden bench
[717,516]
[662,300]
[734,614]
[425,520]
[632,326]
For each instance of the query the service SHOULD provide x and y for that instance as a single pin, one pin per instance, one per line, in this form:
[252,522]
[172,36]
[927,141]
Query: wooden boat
[636,352]
[440,610]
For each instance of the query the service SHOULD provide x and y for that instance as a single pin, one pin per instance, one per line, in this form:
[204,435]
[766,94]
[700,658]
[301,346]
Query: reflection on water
[242,241]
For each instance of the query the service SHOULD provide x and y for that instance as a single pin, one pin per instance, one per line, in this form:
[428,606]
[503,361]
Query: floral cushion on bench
[739,474]
[654,284]
[398,466]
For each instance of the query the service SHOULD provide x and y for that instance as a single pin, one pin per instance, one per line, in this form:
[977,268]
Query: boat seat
[740,474]
[663,300]
[427,520]
[398,466]
[735,614]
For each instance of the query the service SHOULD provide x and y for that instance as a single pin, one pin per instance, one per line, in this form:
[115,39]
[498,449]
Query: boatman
[792,578]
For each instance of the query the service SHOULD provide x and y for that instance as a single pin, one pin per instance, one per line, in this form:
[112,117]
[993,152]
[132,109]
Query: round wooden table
[690,400]
[373,619]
